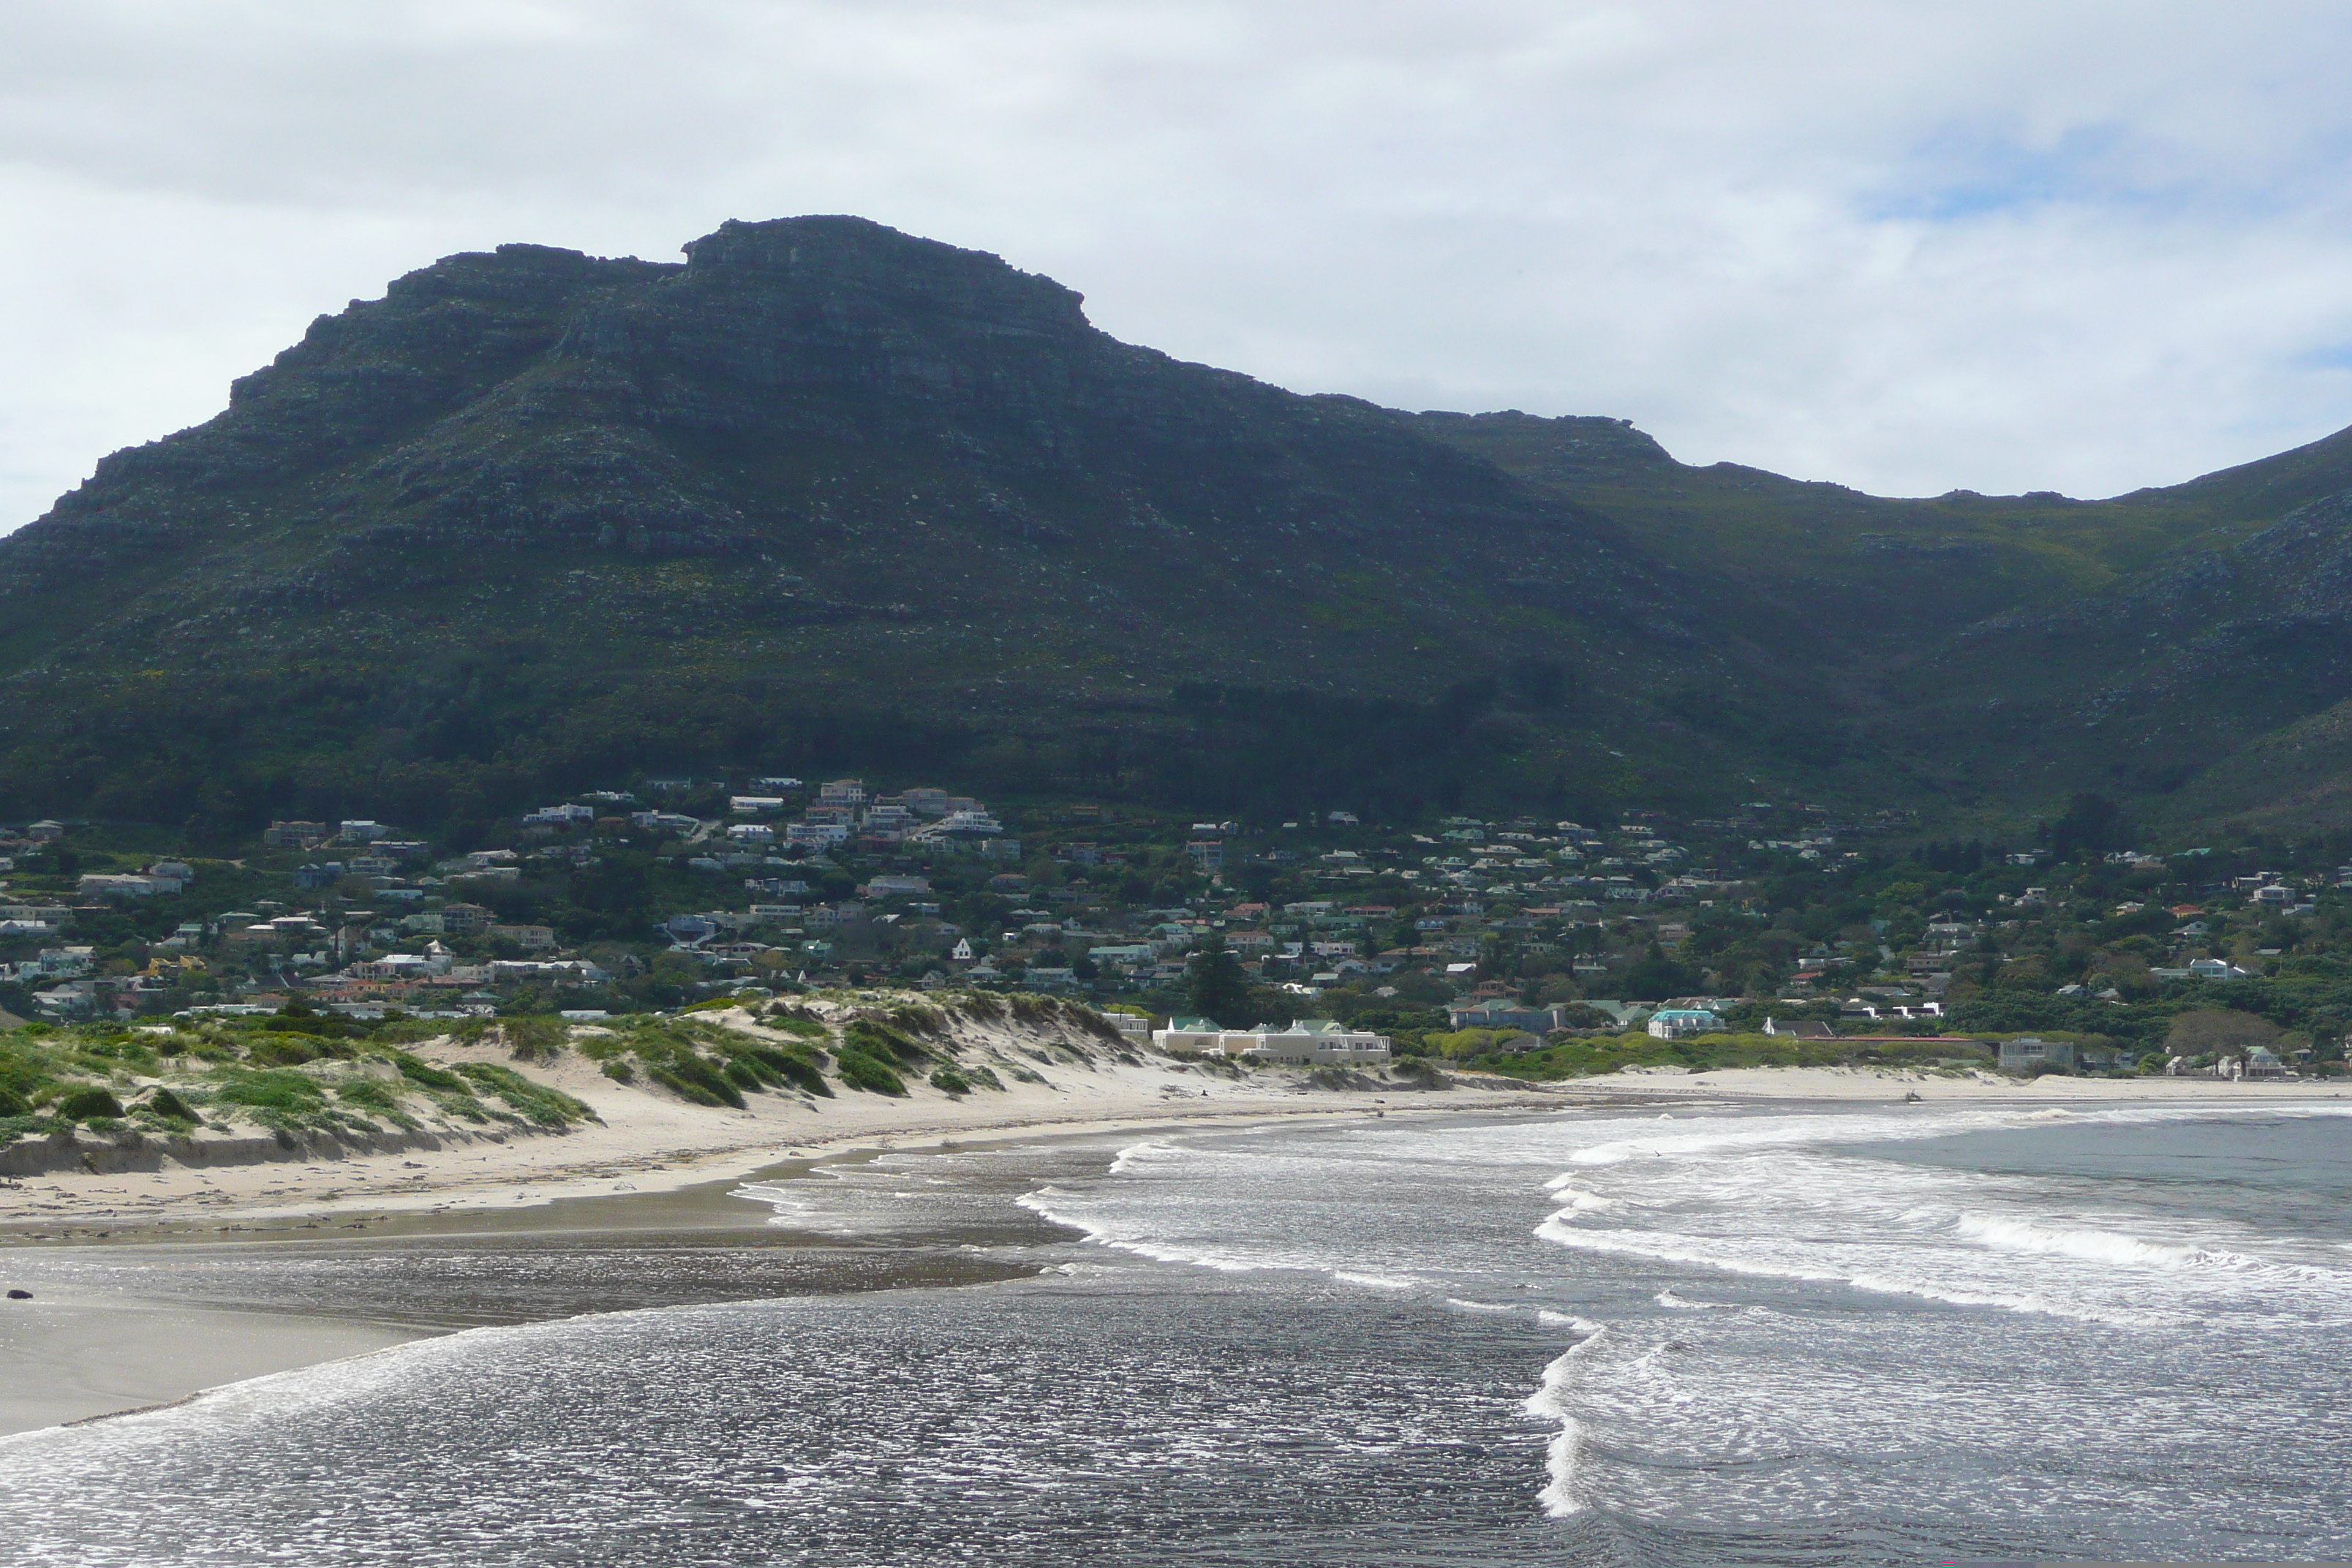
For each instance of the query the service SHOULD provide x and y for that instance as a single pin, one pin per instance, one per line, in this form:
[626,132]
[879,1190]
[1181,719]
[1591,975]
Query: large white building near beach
[1304,1042]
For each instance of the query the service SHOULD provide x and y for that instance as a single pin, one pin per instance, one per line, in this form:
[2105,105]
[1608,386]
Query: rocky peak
[855,267]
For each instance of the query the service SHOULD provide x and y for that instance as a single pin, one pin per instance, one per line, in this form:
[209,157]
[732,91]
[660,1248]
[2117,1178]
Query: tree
[2126,972]
[2093,825]
[2219,1030]
[1656,977]
[1215,985]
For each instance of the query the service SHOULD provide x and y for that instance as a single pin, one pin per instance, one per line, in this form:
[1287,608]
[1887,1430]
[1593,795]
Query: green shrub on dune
[883,1043]
[914,1019]
[91,1101]
[370,1095]
[668,1057]
[547,1107]
[799,1066]
[792,1019]
[162,1102]
[859,1070]
[273,1089]
[534,1039]
[695,1079]
[284,1051]
[425,1074]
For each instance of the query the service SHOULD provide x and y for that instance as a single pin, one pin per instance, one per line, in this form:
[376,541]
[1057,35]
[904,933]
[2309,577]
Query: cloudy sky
[2002,246]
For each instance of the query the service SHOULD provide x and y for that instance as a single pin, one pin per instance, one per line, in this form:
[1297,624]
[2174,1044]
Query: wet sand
[156,1312]
[71,1356]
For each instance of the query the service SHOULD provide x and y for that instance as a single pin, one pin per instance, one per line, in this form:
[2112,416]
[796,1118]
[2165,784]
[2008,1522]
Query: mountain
[825,495]
[828,496]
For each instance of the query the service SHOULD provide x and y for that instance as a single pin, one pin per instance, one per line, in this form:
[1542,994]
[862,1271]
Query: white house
[111,886]
[1305,1042]
[396,966]
[1673,1023]
[563,971]
[1191,1038]
[1314,1042]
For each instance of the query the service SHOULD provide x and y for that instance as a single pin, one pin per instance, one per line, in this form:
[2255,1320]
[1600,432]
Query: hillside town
[1323,940]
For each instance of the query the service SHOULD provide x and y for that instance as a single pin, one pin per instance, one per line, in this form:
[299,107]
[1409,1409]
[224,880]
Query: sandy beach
[653,1165]
[648,1140]
[656,1162]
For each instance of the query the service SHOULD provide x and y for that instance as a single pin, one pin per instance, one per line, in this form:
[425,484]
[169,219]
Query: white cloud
[2004,246]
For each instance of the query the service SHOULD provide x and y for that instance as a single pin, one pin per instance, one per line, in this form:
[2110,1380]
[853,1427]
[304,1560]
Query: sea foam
[1550,1402]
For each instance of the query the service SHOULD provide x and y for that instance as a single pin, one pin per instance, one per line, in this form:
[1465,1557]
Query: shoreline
[647,1139]
[648,1145]
[79,1354]
[71,1356]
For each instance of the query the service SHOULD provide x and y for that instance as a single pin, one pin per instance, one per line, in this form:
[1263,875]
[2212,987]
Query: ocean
[1785,1336]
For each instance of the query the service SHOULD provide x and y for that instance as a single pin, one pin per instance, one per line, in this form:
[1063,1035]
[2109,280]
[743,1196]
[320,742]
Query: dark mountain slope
[2016,649]
[2176,680]
[1891,574]
[827,495]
